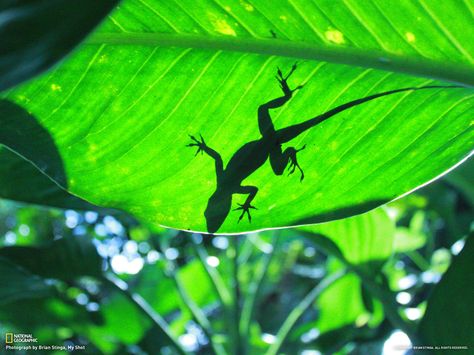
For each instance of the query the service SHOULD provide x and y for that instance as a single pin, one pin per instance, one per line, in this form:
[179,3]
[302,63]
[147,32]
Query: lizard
[252,155]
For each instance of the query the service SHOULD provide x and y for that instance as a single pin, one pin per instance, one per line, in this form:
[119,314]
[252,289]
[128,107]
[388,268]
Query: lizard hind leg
[293,162]
[282,160]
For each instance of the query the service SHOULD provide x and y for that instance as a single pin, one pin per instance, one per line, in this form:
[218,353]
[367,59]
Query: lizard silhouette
[252,155]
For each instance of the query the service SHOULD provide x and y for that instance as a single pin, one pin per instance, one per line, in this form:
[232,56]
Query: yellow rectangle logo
[9,338]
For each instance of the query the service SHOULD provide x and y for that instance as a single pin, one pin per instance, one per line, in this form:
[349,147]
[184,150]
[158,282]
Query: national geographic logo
[20,342]
[11,338]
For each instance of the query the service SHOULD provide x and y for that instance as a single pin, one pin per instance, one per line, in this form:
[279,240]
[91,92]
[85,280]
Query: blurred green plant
[358,285]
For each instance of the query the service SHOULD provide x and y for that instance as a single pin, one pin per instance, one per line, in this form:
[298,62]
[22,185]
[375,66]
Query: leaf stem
[443,70]
[418,260]
[146,309]
[219,285]
[253,290]
[298,311]
[216,279]
[237,337]
[197,313]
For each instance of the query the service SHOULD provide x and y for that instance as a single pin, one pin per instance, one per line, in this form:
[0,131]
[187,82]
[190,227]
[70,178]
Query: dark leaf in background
[64,258]
[22,181]
[37,33]
[449,318]
[18,283]
[123,323]
[462,179]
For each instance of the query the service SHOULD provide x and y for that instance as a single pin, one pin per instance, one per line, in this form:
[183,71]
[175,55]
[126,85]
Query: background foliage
[57,267]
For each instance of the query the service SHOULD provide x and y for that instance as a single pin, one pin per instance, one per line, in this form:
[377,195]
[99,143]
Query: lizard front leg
[265,124]
[283,81]
[202,147]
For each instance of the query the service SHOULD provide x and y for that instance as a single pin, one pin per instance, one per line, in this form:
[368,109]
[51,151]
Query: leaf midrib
[448,71]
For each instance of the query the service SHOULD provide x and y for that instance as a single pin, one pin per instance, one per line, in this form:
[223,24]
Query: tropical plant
[190,115]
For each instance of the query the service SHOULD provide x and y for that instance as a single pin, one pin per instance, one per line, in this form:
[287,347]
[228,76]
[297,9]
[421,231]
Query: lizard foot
[294,162]
[200,144]
[245,207]
[282,80]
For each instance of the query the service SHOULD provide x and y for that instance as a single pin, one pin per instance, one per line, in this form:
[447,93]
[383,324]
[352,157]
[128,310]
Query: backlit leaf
[112,123]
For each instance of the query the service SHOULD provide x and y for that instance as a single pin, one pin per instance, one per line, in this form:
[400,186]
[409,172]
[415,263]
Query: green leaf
[448,319]
[197,283]
[115,310]
[418,38]
[407,240]
[18,283]
[412,238]
[117,115]
[366,241]
[345,291]
[64,258]
[36,34]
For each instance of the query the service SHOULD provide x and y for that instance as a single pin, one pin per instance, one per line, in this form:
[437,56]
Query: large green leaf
[414,37]
[37,33]
[118,113]
[449,321]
